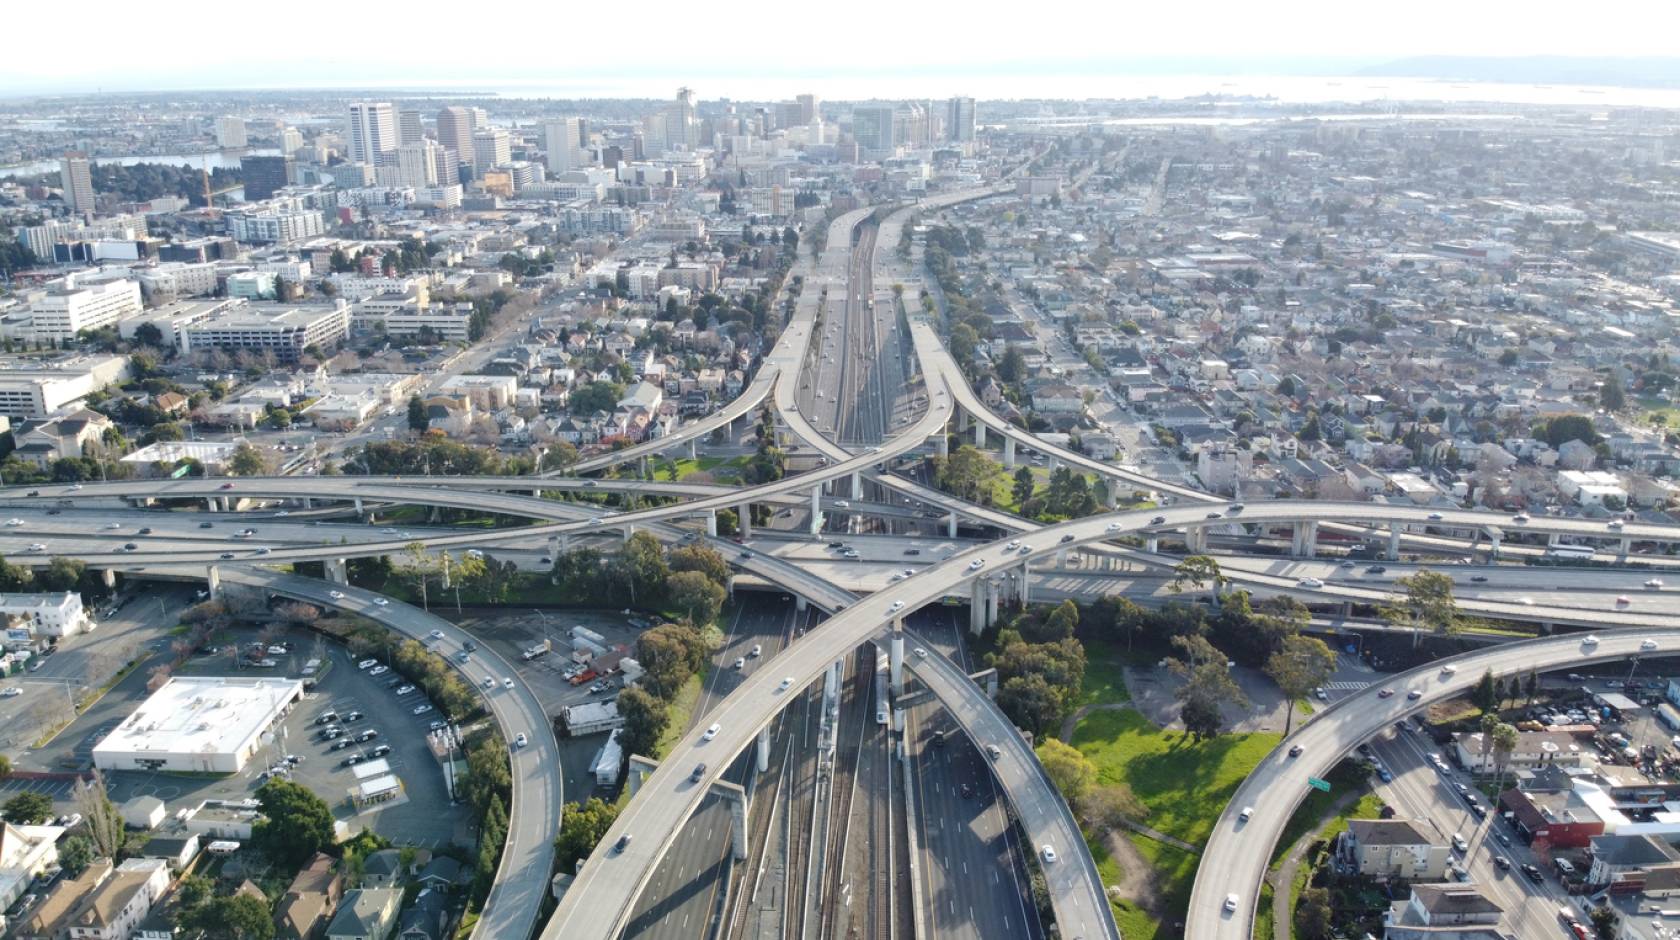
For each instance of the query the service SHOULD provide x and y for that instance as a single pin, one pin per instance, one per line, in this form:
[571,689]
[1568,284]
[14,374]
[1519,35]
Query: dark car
[354,716]
[1295,751]
[1479,579]
[1375,569]
[1162,520]
[1068,537]
[206,525]
[699,771]
[146,531]
[351,761]
[341,745]
[622,843]
[1532,873]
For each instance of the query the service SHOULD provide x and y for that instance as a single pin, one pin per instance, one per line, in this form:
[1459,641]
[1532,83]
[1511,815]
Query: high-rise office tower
[680,129]
[445,166]
[373,132]
[491,147]
[230,133]
[809,105]
[872,128]
[409,128]
[76,176]
[264,175]
[290,141]
[455,132]
[417,165]
[561,141]
[959,120]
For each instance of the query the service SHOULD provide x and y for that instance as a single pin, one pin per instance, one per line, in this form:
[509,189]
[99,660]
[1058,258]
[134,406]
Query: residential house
[1459,911]
[25,851]
[383,869]
[1392,848]
[1625,863]
[426,918]
[69,436]
[310,900]
[366,914]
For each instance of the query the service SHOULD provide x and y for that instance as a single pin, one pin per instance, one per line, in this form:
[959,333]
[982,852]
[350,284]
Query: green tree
[1059,624]
[968,473]
[640,566]
[417,419]
[1023,488]
[1504,745]
[596,396]
[1485,695]
[645,720]
[581,828]
[1304,663]
[247,461]
[235,917]
[148,334]
[695,596]
[1427,604]
[1197,570]
[1611,395]
[1205,685]
[28,808]
[669,654]
[1071,771]
[1312,914]
[1604,922]
[295,823]
[75,854]
[702,558]
[1031,702]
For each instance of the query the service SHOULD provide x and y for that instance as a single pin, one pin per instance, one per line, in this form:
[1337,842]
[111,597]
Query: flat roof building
[69,306]
[37,388]
[285,331]
[200,724]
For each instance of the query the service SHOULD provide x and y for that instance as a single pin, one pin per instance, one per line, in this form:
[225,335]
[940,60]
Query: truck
[532,652]
[584,633]
[1669,715]
[588,675]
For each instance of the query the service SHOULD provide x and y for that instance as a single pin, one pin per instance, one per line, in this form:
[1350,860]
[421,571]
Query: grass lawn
[721,469]
[1175,869]
[682,712]
[1343,777]
[1263,914]
[1104,682]
[1184,784]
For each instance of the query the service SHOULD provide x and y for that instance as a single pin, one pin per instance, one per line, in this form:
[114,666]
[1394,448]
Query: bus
[1571,552]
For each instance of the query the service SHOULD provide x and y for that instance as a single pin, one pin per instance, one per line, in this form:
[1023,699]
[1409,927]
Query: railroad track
[854,712]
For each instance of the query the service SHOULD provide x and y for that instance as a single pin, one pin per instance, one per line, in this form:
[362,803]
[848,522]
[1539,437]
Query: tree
[1604,922]
[1031,702]
[1485,695]
[645,720]
[5,766]
[1611,395]
[417,419]
[247,461]
[1504,745]
[702,558]
[1427,604]
[1111,805]
[104,823]
[1071,771]
[1312,914]
[1059,625]
[1303,664]
[235,917]
[581,828]
[968,473]
[148,334]
[295,823]
[1487,725]
[1206,686]
[696,596]
[1197,570]
[27,808]
[75,854]
[669,654]
[194,891]
[641,567]
[596,396]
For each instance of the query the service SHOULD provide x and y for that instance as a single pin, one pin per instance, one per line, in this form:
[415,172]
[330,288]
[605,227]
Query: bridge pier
[1393,553]
[1196,540]
[627,530]
[336,571]
[895,656]
[962,421]
[1305,542]
[213,582]
[816,509]
[743,520]
[976,607]
[1494,538]
[1152,544]
[1061,557]
[1053,464]
[358,501]
[800,603]
[942,443]
[711,523]
[987,679]
[643,469]
[108,577]
[639,769]
[737,800]
[992,591]
[1024,593]
[693,449]
[1623,548]
[764,750]
[1009,453]
[979,436]
[951,525]
[857,486]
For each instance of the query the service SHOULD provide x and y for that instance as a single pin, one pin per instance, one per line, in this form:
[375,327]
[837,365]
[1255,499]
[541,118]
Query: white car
[10,691]
[1648,645]
[38,546]
[489,682]
[111,525]
[1013,544]
[421,709]
[1310,583]
[14,521]
[1231,902]
[740,662]
[507,682]
[520,740]
[976,564]
[1114,527]
[1246,814]
[896,605]
[1622,600]
[787,683]
[367,664]
[711,732]
[1048,853]
[336,595]
[436,634]
[920,652]
[1589,640]
[381,602]
[379,670]
[1654,583]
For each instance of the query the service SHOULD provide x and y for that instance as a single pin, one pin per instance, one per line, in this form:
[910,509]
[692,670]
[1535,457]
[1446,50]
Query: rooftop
[201,714]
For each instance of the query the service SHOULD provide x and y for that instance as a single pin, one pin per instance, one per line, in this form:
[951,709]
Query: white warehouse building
[198,724]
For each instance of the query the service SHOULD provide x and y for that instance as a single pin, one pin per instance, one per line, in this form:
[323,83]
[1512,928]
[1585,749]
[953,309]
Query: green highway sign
[1318,784]
[181,471]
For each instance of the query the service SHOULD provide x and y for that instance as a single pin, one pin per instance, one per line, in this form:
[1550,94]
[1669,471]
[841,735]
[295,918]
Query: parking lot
[422,816]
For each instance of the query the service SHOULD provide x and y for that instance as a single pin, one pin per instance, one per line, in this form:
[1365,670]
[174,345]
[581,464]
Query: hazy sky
[104,43]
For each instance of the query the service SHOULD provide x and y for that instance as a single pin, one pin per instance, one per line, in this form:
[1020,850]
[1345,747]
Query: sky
[735,48]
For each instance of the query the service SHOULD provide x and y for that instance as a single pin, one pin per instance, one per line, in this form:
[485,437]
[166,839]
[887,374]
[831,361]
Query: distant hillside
[1641,72]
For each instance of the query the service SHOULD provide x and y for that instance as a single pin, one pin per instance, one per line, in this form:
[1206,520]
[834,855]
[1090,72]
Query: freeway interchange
[838,285]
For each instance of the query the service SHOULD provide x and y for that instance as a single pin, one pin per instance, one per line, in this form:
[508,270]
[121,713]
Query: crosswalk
[1345,686]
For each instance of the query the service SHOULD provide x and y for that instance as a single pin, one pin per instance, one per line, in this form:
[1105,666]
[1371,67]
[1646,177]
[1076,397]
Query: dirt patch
[1139,882]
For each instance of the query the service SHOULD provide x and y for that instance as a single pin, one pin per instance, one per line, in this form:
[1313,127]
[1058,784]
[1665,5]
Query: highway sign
[181,471]
[1318,784]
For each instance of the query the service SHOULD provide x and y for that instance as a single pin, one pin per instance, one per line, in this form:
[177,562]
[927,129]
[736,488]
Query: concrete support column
[1393,553]
[764,750]
[951,525]
[711,523]
[308,503]
[358,501]
[831,685]
[1196,539]
[1009,452]
[336,571]
[643,473]
[895,655]
[737,817]
[1053,464]
[108,578]
[565,542]
[627,530]
[962,421]
[693,448]
[1305,541]
[1623,548]
[213,581]
[816,509]
[1152,544]
[991,683]
[554,546]
[1061,557]
[857,486]
[639,769]
[979,435]
[800,603]
[743,520]
[1494,537]
[942,443]
[991,603]
[1026,592]
[976,606]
